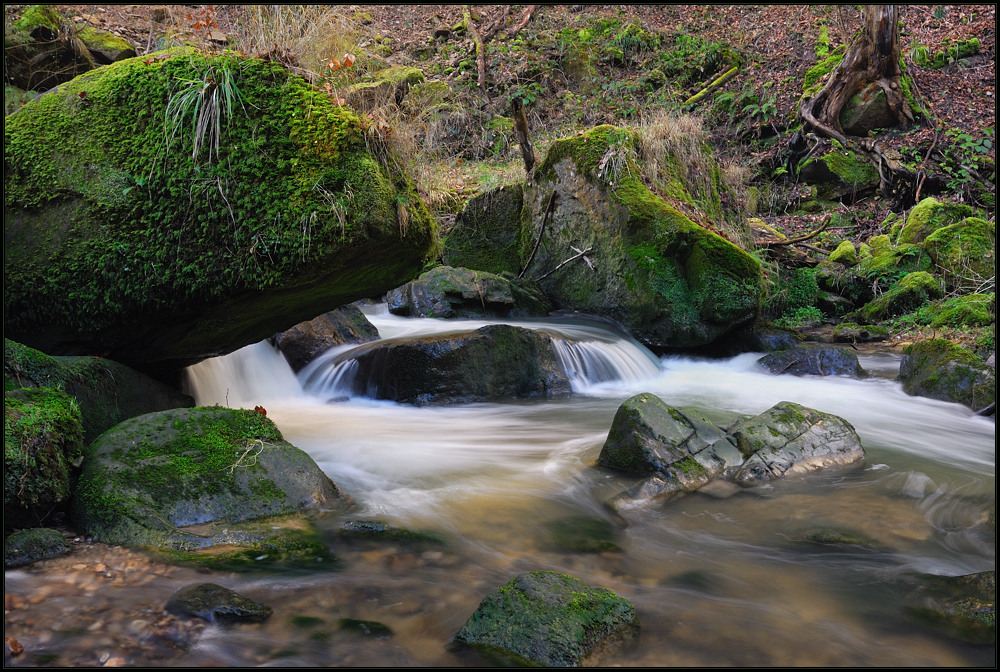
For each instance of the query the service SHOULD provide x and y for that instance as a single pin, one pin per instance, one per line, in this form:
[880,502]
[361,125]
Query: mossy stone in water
[548,619]
[212,602]
[29,546]
[582,534]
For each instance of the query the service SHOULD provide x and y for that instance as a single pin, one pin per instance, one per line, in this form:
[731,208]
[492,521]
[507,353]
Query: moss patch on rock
[940,369]
[928,216]
[911,292]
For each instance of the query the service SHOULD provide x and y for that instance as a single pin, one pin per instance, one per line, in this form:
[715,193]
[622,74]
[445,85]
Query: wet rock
[308,340]
[29,546]
[549,619]
[939,369]
[458,292]
[849,332]
[813,360]
[771,339]
[581,534]
[962,607]
[372,629]
[380,531]
[680,447]
[493,363]
[791,439]
[214,603]
[179,481]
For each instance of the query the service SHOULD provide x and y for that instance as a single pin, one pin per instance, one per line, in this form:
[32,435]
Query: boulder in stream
[813,360]
[25,547]
[940,369]
[680,450]
[549,619]
[205,478]
[493,363]
[308,340]
[214,603]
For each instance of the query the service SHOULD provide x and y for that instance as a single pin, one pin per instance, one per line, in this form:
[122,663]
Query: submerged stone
[214,603]
[549,619]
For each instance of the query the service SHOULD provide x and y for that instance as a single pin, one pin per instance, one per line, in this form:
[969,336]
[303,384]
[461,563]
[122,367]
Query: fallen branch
[523,141]
[575,256]
[800,239]
[480,47]
[523,22]
[719,81]
[541,230]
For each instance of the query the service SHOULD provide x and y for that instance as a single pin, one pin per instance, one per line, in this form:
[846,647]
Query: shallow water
[715,581]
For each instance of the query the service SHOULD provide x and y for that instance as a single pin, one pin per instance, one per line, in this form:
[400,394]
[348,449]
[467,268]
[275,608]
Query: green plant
[800,317]
[966,162]
[208,100]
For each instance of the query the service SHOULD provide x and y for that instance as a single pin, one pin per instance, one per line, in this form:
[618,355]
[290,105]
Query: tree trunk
[873,58]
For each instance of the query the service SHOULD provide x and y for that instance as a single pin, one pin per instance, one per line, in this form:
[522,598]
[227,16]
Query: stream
[715,581]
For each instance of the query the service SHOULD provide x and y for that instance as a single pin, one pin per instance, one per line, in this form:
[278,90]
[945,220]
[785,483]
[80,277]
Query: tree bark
[873,58]
[523,140]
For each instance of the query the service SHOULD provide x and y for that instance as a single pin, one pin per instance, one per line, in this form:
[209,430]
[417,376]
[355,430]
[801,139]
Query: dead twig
[541,230]
[579,254]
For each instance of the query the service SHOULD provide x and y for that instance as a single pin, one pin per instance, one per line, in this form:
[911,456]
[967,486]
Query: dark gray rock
[493,363]
[214,603]
[485,235]
[458,292]
[26,547]
[308,340]
[813,360]
[939,369]
[549,619]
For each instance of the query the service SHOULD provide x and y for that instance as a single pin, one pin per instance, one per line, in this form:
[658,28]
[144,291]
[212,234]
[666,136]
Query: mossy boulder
[644,264]
[845,254]
[308,340]
[217,479]
[484,237]
[27,547]
[813,360]
[850,332]
[679,449]
[385,87]
[459,292]
[789,439]
[867,110]
[493,363]
[839,174]
[127,237]
[43,48]
[963,312]
[551,620]
[964,252]
[939,369]
[106,392]
[928,216]
[911,292]
[43,443]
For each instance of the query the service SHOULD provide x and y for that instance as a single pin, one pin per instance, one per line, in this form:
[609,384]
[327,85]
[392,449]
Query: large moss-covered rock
[669,281]
[549,619]
[839,174]
[308,340]
[939,369]
[206,477]
[790,438]
[105,391]
[911,292]
[965,252]
[459,292]
[131,234]
[43,442]
[493,363]
[484,237]
[26,547]
[928,216]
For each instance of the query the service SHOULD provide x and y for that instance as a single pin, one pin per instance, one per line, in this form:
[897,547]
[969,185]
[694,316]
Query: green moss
[973,310]
[965,252]
[40,16]
[104,41]
[845,254]
[911,292]
[929,215]
[43,439]
[851,168]
[146,225]
[811,80]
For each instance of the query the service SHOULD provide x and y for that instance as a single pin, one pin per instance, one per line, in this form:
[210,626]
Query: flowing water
[716,581]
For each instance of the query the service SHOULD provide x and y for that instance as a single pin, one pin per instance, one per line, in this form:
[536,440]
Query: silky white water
[715,581]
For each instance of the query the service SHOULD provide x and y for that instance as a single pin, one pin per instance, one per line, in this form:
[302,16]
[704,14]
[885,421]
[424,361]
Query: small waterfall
[588,363]
[246,378]
[331,375]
